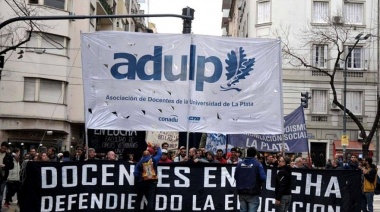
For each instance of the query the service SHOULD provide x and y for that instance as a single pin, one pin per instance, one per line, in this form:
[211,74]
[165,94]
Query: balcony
[104,8]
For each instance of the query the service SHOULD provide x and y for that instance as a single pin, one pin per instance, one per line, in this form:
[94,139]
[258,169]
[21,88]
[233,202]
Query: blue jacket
[138,168]
[249,176]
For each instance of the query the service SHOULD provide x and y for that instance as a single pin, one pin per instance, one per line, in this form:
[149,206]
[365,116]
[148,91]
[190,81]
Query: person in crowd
[249,176]
[165,157]
[181,155]
[32,153]
[271,161]
[299,163]
[353,163]
[13,183]
[191,156]
[91,154]
[369,171]
[165,145]
[51,154]
[283,185]
[111,155]
[340,159]
[130,158]
[328,164]
[43,157]
[210,157]
[65,157]
[239,154]
[6,164]
[335,165]
[306,163]
[80,154]
[146,179]
[234,159]
[219,156]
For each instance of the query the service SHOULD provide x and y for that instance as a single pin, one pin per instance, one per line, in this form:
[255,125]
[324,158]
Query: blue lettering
[136,66]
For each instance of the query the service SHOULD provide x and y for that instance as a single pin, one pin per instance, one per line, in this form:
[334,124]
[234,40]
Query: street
[376,203]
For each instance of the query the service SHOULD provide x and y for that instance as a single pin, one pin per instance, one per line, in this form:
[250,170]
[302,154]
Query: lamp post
[344,137]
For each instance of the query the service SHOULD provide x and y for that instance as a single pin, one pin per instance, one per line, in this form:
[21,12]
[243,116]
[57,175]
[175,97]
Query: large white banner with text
[170,82]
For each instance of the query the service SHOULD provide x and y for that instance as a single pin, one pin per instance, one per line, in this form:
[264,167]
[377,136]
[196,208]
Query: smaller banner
[159,137]
[120,141]
[216,141]
[295,136]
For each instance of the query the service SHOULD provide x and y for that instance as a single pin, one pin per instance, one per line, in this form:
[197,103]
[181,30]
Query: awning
[352,145]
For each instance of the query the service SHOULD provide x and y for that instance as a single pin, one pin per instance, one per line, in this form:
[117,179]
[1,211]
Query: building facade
[300,25]
[41,95]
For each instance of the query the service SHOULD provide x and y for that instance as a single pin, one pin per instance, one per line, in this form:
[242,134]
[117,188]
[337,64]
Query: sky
[207,16]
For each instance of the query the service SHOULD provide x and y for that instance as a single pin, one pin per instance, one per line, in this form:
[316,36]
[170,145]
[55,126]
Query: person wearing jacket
[13,183]
[283,185]
[145,174]
[6,164]
[249,176]
[369,176]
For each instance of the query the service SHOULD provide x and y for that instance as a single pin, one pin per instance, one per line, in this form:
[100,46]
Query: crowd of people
[12,162]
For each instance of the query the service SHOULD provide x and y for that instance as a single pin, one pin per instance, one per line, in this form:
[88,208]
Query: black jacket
[283,182]
[8,162]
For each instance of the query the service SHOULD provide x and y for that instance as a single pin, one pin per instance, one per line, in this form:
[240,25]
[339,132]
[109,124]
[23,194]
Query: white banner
[160,137]
[169,82]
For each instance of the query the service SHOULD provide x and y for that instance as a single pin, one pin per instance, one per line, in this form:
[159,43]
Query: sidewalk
[376,203]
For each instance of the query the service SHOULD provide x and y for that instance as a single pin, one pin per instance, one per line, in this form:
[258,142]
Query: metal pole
[75,17]
[187,30]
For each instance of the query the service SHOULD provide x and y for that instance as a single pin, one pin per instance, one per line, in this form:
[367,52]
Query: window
[44,90]
[353,13]
[320,11]
[47,43]
[319,98]
[320,56]
[355,59]
[354,102]
[263,12]
[59,4]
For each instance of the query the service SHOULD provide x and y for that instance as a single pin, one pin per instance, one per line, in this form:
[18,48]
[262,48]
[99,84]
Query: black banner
[122,142]
[108,186]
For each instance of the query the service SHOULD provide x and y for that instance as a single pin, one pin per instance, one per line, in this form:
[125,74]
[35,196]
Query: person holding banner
[248,184]
[369,184]
[283,185]
[146,179]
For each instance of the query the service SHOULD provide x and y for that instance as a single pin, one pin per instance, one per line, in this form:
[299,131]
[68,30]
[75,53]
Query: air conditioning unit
[334,106]
[337,20]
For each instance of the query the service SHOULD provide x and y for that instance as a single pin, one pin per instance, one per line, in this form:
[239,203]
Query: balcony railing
[107,7]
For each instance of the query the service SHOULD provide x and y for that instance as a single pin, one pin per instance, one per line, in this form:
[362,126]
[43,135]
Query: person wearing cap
[146,178]
[80,155]
[165,158]
[181,155]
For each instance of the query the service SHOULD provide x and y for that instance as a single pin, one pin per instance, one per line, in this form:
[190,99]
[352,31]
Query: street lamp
[344,136]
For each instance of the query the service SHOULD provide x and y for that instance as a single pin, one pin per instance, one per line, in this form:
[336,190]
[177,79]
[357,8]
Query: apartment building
[41,92]
[295,21]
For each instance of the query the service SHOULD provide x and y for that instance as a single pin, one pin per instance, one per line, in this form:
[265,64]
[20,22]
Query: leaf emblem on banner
[238,67]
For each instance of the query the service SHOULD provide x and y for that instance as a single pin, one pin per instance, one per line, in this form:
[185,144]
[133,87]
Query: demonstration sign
[186,83]
[120,141]
[109,186]
[295,136]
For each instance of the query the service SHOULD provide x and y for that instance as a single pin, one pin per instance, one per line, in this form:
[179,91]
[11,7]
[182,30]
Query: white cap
[164,151]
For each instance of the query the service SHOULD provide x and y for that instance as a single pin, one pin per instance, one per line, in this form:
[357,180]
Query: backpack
[148,170]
